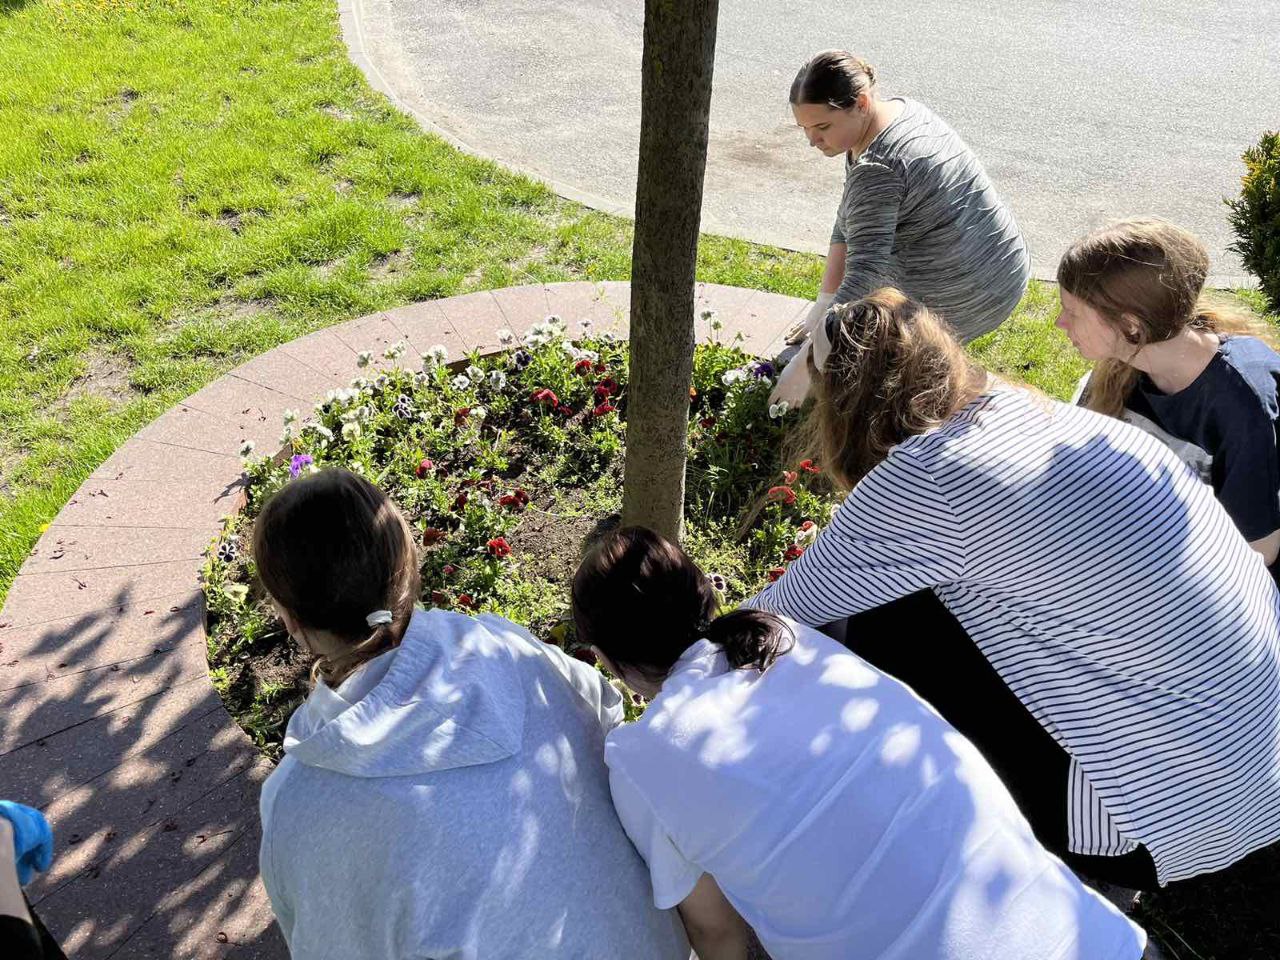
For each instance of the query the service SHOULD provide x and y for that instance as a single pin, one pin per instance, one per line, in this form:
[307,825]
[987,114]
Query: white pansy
[461,382]
[290,417]
[736,375]
[351,430]
[506,336]
[435,357]
[586,324]
[395,351]
[778,409]
[806,537]
[474,373]
[479,412]
[497,379]
[364,358]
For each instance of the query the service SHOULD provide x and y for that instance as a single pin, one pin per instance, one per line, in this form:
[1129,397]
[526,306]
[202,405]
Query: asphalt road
[1081,111]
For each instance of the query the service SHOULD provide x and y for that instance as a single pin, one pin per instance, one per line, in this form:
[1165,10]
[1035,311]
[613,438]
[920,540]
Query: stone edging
[111,724]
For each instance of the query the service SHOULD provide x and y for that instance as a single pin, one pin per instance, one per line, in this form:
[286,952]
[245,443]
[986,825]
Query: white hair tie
[378,618]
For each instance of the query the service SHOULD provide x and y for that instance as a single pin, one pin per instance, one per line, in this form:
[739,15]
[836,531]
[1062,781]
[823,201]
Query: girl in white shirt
[778,781]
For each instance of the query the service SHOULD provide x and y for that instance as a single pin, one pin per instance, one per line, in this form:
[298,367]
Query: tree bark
[678,60]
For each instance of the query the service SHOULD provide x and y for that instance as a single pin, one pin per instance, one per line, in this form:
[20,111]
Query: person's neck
[883,113]
[1173,365]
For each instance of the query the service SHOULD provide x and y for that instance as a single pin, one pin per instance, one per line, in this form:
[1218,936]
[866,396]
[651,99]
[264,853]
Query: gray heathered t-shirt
[919,213]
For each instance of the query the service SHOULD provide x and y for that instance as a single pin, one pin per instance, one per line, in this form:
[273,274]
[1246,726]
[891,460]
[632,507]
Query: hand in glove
[817,313]
[32,839]
[793,383]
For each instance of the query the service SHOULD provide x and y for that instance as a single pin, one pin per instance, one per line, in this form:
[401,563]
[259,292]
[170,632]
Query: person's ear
[1130,328]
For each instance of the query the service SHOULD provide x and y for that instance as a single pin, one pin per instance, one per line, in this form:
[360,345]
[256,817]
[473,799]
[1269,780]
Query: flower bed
[504,465]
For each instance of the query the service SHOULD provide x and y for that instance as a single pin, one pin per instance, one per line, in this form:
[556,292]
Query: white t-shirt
[842,817]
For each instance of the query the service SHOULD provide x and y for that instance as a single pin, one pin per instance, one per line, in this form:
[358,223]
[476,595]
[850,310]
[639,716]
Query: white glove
[793,382]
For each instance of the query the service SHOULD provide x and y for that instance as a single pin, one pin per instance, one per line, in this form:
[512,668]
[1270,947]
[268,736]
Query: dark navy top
[1224,426]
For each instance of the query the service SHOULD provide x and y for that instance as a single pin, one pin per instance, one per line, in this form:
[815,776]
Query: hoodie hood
[448,696]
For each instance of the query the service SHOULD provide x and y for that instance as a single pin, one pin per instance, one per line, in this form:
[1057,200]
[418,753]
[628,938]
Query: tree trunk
[679,57]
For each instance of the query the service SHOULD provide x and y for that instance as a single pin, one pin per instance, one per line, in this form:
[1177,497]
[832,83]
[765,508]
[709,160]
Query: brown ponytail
[833,78]
[642,602]
[332,549]
[895,370]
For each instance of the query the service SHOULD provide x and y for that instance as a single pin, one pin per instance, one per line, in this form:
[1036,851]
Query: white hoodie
[450,800]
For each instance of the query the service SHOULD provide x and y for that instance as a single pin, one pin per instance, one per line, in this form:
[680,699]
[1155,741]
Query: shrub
[1255,216]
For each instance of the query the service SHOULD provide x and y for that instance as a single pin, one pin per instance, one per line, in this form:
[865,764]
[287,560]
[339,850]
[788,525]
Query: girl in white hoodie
[443,792]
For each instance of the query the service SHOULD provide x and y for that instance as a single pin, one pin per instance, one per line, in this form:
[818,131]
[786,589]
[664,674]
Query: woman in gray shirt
[918,211]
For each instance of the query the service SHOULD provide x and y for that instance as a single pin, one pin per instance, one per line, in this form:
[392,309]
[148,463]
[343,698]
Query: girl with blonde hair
[1059,587]
[1200,378]
[443,791]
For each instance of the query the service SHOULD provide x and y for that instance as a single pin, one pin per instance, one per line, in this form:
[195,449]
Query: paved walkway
[111,725]
[1080,111]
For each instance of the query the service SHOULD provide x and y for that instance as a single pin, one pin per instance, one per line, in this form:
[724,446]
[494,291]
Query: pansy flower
[794,552]
[606,388]
[545,397]
[775,573]
[603,410]
[782,494]
[466,600]
[297,462]
[439,598]
[424,467]
[498,547]
[808,466]
[432,536]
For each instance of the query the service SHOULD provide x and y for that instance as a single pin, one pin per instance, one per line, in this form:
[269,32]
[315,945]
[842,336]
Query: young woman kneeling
[442,792]
[778,780]
[1107,638]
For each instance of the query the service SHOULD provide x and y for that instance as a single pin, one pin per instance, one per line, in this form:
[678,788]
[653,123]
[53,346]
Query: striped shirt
[1110,591]
[918,213]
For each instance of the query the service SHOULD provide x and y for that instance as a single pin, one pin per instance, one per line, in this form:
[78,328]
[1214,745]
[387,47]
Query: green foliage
[1255,215]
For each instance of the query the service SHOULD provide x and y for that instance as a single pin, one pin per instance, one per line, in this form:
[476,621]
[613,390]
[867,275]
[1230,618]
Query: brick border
[111,725]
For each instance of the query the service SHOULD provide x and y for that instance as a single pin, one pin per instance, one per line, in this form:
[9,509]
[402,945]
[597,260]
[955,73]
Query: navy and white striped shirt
[1110,591]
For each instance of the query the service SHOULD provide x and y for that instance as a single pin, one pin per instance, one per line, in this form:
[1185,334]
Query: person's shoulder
[1253,367]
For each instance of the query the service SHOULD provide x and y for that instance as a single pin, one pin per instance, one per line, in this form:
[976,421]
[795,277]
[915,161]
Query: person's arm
[12,903]
[870,213]
[833,273]
[1268,546]
[896,533]
[716,930]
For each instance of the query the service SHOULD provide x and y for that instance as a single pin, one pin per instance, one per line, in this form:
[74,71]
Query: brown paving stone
[180,874]
[572,302]
[260,410]
[477,318]
[185,427]
[44,769]
[113,634]
[196,502]
[68,549]
[39,711]
[423,325]
[375,334]
[39,598]
[286,374]
[94,818]
[769,316]
[324,352]
[518,304]
[146,460]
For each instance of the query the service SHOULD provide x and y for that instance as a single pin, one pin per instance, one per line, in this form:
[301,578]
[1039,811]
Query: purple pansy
[299,461]
[763,369]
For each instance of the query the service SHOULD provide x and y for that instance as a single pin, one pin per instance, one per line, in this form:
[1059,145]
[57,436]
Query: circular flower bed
[506,465]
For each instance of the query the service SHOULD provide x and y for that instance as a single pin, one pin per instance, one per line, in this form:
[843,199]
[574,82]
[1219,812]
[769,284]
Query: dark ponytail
[751,638]
[642,602]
